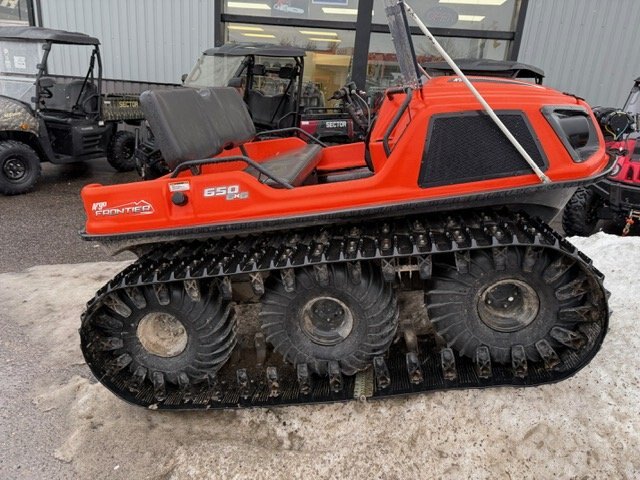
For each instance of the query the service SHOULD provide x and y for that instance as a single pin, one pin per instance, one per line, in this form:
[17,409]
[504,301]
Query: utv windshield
[633,102]
[18,68]
[213,71]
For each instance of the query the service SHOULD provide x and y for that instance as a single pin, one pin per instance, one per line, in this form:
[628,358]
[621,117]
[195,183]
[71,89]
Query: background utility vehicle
[55,118]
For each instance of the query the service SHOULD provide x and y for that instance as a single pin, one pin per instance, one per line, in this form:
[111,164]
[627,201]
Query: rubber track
[406,241]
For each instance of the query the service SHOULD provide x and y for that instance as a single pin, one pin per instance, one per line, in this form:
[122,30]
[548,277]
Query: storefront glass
[498,15]
[329,52]
[14,12]
[337,10]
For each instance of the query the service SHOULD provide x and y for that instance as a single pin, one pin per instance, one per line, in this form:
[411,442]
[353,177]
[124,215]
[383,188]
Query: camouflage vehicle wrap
[15,116]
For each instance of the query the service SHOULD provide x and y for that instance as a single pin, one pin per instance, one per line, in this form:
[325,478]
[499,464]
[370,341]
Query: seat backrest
[190,124]
[65,96]
[268,109]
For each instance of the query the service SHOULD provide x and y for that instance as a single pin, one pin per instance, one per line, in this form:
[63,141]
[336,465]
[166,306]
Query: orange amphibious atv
[327,237]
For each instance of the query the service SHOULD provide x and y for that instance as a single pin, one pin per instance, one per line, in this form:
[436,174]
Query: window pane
[329,52]
[14,12]
[383,70]
[464,14]
[337,10]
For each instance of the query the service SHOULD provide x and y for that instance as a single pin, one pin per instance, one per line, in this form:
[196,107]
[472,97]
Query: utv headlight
[576,130]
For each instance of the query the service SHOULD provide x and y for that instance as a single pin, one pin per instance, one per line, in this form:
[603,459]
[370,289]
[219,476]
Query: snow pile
[587,426]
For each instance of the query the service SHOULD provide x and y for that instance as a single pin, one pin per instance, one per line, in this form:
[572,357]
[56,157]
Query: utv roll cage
[488,68]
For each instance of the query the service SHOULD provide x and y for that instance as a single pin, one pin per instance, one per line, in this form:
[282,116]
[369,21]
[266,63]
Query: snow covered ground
[56,422]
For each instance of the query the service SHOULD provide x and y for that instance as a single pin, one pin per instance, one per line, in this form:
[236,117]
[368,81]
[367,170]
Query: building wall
[142,40]
[590,48]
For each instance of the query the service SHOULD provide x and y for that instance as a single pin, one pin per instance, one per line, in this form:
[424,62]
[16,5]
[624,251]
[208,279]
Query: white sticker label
[179,187]
[20,62]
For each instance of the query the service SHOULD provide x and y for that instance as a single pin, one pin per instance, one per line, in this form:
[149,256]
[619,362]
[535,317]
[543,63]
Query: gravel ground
[57,422]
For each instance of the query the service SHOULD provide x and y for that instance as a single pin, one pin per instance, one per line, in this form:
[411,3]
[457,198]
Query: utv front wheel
[19,167]
[120,151]
[580,215]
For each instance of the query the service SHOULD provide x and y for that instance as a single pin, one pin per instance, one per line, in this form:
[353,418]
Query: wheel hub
[508,305]
[162,334]
[15,169]
[327,320]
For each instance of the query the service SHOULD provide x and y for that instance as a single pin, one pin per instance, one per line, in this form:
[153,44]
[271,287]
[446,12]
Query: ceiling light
[259,35]
[249,6]
[246,29]
[313,32]
[494,3]
[335,40]
[471,18]
[340,11]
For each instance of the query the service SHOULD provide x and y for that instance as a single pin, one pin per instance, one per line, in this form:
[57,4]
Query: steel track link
[250,379]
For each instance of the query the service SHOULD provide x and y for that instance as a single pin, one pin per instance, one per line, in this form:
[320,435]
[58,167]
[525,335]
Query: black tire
[370,304]
[580,216]
[199,344]
[19,167]
[459,304]
[120,151]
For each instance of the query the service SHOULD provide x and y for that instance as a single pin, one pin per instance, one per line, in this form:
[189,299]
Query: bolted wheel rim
[508,305]
[15,169]
[327,320]
[162,334]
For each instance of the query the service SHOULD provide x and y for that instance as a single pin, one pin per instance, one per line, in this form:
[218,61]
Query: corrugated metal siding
[586,47]
[142,40]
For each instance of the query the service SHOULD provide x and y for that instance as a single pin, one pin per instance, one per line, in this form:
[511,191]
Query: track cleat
[548,354]
[260,344]
[137,379]
[114,303]
[500,258]
[335,377]
[136,297]
[482,361]
[425,267]
[243,382]
[519,361]
[575,289]
[159,386]
[193,290]
[530,258]
[162,293]
[557,269]
[106,344]
[322,274]
[119,363]
[354,270]
[257,283]
[585,314]
[225,288]
[448,364]
[183,382]
[388,270]
[108,323]
[413,368]
[568,338]
[288,277]
[383,379]
[272,382]
[304,380]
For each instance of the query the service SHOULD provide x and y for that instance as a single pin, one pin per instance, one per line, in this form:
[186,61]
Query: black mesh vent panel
[470,147]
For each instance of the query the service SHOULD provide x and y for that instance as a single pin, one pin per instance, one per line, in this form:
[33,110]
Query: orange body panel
[147,206]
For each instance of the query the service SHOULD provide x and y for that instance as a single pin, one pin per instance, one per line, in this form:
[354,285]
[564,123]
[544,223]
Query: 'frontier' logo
[141,207]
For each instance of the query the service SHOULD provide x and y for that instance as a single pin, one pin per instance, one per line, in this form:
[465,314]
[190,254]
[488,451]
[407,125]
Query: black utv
[47,116]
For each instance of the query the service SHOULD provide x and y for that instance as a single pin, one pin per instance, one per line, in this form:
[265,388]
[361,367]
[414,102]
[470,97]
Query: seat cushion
[293,167]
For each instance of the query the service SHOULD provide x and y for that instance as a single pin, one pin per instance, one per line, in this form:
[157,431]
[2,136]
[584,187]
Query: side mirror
[184,77]
[47,82]
[235,82]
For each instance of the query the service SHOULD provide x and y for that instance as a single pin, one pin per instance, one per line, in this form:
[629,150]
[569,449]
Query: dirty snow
[585,427]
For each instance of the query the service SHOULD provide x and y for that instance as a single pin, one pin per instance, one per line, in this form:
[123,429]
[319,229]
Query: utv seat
[191,124]
[65,96]
[268,110]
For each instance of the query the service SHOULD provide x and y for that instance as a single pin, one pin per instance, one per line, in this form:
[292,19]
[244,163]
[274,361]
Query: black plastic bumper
[620,197]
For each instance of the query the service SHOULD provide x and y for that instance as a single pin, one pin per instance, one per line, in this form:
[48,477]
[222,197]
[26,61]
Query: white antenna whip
[543,178]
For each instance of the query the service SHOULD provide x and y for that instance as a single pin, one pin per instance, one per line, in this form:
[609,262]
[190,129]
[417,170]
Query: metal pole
[543,178]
